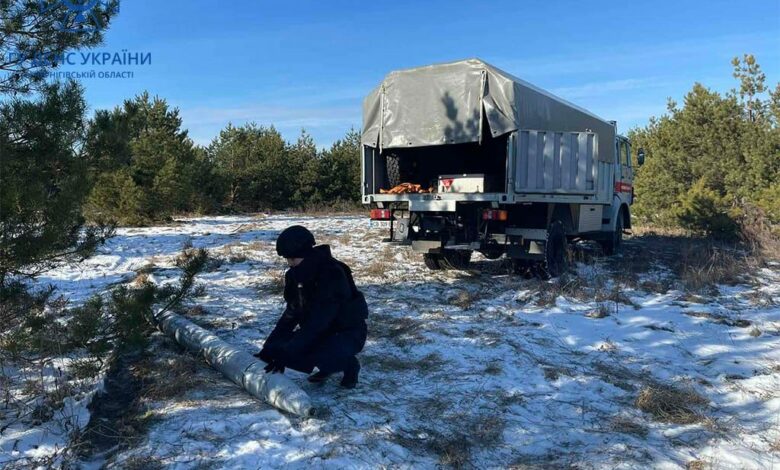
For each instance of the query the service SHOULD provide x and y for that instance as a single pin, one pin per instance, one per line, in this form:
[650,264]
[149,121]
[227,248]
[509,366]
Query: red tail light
[381,214]
[494,214]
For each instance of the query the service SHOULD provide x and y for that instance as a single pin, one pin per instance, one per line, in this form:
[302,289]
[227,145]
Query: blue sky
[308,64]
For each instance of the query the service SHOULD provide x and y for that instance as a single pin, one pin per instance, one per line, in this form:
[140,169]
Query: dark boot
[318,377]
[350,379]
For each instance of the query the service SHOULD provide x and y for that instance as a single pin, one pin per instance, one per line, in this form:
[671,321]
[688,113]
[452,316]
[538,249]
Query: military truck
[463,157]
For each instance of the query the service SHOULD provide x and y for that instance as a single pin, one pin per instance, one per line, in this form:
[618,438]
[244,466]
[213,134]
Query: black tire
[456,259]
[612,246]
[556,256]
[523,267]
[393,170]
[432,261]
[493,254]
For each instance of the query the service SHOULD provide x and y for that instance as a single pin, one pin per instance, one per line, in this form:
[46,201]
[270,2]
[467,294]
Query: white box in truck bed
[461,184]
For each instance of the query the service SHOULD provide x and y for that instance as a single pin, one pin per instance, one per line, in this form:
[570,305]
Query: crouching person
[324,324]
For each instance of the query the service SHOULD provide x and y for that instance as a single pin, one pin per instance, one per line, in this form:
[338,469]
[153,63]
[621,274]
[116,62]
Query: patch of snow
[458,365]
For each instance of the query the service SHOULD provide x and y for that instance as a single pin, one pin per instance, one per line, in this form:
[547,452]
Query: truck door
[624,174]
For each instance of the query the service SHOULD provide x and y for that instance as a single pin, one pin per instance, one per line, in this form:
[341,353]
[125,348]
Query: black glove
[274,367]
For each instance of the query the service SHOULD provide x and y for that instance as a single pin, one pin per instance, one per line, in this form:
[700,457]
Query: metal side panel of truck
[546,166]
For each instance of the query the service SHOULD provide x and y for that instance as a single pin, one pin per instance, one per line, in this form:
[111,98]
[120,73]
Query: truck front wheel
[612,246]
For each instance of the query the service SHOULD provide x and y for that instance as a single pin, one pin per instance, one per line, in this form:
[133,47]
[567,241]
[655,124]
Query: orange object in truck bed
[406,188]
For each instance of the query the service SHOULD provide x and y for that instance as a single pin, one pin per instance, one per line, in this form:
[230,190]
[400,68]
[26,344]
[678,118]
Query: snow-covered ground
[478,368]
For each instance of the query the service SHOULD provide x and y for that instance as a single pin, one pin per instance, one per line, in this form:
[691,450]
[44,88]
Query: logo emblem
[77,16]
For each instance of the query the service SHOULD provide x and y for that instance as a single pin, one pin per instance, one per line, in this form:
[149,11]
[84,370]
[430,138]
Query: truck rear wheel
[456,259]
[524,268]
[432,261]
[556,259]
[493,253]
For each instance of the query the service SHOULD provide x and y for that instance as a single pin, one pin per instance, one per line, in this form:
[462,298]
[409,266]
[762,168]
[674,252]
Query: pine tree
[43,182]
[303,163]
[34,37]
[256,166]
[713,157]
[142,140]
[340,170]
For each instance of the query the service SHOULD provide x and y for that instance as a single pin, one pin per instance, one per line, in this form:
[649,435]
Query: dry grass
[615,294]
[671,404]
[720,319]
[464,300]
[379,265]
[402,331]
[760,236]
[660,286]
[608,346]
[85,368]
[167,378]
[494,368]
[506,399]
[775,446]
[702,266]
[760,298]
[453,443]
[430,363]
[552,373]
[656,327]
[567,286]
[52,398]
[237,258]
[595,288]
[487,337]
[148,268]
[231,253]
[274,285]
[655,231]
[427,364]
[755,332]
[143,463]
[141,279]
[257,245]
[338,208]
[196,311]
[625,425]
[700,464]
[699,264]
[602,311]
[696,465]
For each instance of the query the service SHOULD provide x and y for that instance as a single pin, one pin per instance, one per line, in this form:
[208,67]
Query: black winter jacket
[322,300]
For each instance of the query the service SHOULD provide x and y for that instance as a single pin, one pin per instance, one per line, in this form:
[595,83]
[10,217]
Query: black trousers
[333,353]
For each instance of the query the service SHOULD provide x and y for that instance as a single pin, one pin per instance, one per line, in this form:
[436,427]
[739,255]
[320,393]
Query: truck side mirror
[640,157]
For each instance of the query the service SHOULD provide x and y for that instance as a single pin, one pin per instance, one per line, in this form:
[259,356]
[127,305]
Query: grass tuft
[625,425]
[670,404]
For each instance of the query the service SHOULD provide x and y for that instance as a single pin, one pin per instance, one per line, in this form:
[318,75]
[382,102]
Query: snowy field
[476,369]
